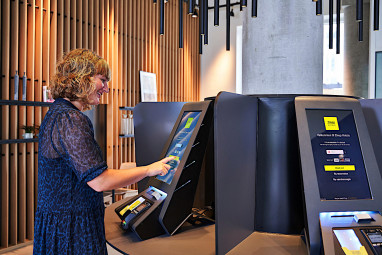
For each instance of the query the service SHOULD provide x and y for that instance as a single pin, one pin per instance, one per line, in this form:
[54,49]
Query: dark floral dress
[70,215]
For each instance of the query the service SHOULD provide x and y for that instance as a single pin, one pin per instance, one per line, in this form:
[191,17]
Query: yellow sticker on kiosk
[331,123]
[361,251]
[339,168]
[132,206]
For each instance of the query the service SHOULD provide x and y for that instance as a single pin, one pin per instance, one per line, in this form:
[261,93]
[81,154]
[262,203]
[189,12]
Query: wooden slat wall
[35,33]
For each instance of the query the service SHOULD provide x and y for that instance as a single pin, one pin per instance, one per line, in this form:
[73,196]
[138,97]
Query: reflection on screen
[179,143]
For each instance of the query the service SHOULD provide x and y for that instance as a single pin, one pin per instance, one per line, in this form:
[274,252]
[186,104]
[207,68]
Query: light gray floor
[28,250]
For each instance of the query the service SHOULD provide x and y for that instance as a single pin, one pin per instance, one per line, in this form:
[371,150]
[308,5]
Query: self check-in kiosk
[341,179]
[167,202]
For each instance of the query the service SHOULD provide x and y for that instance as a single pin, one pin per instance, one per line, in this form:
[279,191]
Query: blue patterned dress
[70,215]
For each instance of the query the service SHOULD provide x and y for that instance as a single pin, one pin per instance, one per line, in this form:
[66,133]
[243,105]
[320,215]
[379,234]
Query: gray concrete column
[282,48]
[356,54]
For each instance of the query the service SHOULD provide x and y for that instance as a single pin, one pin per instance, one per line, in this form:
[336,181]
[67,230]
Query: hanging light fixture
[359,10]
[195,13]
[330,24]
[359,18]
[319,7]
[205,22]
[338,14]
[161,17]
[360,31]
[376,15]
[180,24]
[254,8]
[201,19]
[243,3]
[200,27]
[216,13]
[228,30]
[190,6]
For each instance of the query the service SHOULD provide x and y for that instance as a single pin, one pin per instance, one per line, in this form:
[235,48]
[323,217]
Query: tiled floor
[28,250]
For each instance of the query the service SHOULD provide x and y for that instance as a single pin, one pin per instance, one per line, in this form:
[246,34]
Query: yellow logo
[331,123]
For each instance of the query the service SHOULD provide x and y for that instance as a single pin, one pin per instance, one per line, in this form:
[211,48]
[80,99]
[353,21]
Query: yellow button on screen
[339,168]
[331,123]
[189,122]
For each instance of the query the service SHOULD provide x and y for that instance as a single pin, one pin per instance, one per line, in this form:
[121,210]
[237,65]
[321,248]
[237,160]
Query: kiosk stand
[341,179]
[167,201]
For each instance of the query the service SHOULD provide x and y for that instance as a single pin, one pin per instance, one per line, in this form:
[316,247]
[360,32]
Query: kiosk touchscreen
[341,179]
[338,159]
[179,143]
[167,201]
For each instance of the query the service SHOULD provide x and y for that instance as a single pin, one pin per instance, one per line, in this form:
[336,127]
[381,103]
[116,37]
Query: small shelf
[10,141]
[125,136]
[126,108]
[25,103]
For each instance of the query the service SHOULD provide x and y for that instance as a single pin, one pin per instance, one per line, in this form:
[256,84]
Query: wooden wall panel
[34,36]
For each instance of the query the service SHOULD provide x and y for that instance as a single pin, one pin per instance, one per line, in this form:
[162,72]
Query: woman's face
[101,87]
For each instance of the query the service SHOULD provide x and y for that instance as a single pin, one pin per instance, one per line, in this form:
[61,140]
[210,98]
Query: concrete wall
[374,46]
[218,66]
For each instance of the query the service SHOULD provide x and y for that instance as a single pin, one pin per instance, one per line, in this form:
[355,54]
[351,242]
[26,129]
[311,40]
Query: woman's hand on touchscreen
[160,167]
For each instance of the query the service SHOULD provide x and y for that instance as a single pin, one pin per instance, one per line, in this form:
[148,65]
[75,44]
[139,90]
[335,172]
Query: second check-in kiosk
[341,179]
[167,201]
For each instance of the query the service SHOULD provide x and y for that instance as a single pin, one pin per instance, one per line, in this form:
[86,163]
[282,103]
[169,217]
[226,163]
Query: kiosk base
[141,213]
[345,233]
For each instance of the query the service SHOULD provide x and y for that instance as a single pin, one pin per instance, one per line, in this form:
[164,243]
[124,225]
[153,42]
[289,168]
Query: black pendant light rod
[201,12]
[200,27]
[161,17]
[244,3]
[360,31]
[180,23]
[359,10]
[205,22]
[376,15]
[338,26]
[330,24]
[224,5]
[319,7]
[228,27]
[200,42]
[216,13]
[190,6]
[254,8]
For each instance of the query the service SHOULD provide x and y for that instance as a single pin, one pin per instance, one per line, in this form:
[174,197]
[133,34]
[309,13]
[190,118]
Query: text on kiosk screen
[337,154]
[179,143]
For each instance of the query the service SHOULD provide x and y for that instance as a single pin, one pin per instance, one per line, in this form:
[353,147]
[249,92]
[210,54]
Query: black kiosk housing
[167,201]
[341,179]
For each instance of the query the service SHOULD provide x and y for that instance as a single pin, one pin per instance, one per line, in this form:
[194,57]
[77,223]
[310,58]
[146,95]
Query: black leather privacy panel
[235,163]
[372,110]
[279,199]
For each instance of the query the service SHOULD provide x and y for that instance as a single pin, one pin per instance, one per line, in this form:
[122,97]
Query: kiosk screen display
[338,159]
[179,143]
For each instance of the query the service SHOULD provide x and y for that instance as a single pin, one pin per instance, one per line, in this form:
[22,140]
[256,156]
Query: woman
[71,172]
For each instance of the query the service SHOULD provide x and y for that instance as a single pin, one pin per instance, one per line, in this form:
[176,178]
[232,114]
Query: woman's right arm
[114,178]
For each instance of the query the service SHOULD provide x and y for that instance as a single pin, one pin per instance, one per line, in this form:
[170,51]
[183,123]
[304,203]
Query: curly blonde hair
[74,75]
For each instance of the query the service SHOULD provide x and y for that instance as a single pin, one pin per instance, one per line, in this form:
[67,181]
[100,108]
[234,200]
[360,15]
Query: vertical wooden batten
[30,73]
[5,44]
[22,205]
